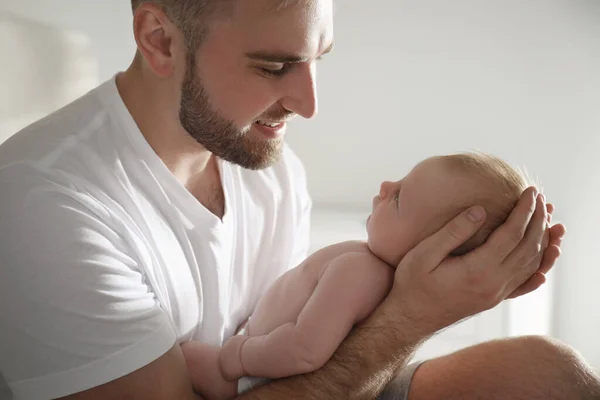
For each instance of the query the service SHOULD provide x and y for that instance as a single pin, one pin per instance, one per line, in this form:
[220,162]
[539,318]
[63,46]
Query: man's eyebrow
[282,58]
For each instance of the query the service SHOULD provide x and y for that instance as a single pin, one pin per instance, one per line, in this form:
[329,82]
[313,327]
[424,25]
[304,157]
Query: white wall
[107,23]
[408,79]
[47,68]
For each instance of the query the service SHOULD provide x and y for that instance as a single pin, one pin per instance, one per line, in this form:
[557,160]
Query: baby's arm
[202,362]
[351,287]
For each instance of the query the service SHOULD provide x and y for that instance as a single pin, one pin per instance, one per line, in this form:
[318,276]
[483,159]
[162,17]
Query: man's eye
[282,70]
[397,197]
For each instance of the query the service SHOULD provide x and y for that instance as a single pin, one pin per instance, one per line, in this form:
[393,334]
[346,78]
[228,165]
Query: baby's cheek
[410,236]
[432,226]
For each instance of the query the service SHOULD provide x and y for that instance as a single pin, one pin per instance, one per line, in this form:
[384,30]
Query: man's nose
[302,97]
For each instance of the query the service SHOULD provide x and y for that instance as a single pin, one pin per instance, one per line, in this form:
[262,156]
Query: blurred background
[407,80]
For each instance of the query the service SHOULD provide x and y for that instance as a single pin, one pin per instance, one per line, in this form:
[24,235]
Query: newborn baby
[304,316]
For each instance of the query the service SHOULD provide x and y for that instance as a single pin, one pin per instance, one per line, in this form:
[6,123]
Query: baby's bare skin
[298,323]
[293,289]
[305,315]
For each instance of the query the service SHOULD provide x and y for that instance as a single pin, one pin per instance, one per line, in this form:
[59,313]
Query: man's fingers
[519,262]
[433,250]
[557,233]
[546,238]
[508,236]
[549,211]
[549,259]
[541,264]
[533,283]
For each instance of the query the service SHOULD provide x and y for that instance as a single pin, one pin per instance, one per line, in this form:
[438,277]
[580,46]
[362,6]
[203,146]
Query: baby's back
[285,299]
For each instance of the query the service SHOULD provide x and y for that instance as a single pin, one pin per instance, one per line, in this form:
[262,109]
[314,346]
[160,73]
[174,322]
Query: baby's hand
[231,358]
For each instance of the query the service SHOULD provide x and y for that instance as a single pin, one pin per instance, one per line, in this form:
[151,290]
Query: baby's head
[434,192]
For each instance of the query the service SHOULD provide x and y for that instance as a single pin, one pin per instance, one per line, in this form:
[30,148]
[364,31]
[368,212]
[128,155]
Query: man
[157,208]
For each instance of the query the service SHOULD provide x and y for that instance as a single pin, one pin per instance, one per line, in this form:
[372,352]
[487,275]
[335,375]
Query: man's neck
[156,114]
[208,189]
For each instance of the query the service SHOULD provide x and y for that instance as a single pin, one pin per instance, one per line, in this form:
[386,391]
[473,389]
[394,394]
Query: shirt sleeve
[75,311]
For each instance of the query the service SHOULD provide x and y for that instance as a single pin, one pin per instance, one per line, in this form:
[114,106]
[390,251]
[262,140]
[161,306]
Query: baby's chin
[389,259]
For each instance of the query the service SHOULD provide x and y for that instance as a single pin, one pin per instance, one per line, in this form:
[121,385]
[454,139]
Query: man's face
[254,72]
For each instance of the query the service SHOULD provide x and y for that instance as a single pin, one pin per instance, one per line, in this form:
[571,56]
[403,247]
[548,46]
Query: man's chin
[266,158]
[256,154]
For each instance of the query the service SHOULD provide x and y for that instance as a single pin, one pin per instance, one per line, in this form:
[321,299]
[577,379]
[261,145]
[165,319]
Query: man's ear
[156,37]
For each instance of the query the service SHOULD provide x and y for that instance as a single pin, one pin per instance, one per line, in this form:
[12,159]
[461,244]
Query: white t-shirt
[106,260]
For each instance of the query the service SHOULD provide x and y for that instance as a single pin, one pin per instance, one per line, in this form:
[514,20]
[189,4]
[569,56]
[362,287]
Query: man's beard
[219,135]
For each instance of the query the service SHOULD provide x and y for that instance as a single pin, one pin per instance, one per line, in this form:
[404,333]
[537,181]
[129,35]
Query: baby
[305,315]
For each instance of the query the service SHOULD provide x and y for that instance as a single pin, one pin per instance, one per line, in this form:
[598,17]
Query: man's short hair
[193,17]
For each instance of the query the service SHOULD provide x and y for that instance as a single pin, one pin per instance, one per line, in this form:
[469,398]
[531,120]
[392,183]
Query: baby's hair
[498,189]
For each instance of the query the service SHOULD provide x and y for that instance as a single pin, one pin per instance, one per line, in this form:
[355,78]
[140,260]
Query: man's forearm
[360,368]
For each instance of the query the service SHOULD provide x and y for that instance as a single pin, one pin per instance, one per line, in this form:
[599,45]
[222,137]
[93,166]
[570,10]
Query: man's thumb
[438,246]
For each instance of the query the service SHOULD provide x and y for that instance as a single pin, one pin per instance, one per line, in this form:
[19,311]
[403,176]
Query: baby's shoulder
[350,246]
[328,253]
[360,264]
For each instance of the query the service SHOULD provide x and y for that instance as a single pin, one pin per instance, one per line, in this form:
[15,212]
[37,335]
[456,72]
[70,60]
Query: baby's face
[407,211]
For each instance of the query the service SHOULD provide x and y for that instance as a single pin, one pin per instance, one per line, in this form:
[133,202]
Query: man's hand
[435,291]
[552,240]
